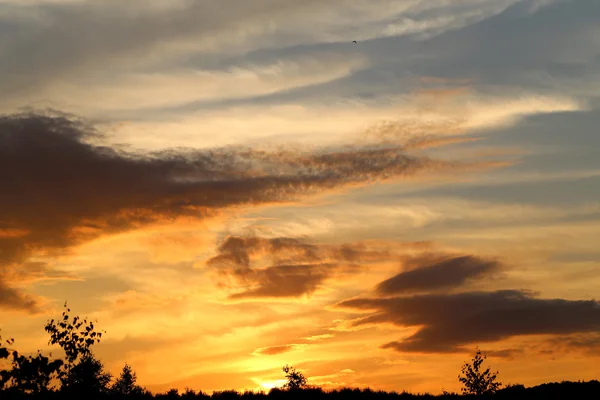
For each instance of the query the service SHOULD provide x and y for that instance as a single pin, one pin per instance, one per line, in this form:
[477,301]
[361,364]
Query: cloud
[60,185]
[286,281]
[319,337]
[13,299]
[34,271]
[431,273]
[294,267]
[237,251]
[588,343]
[274,350]
[14,277]
[504,353]
[182,86]
[154,32]
[447,322]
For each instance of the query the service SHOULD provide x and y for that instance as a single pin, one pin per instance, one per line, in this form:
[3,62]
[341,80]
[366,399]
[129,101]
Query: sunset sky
[228,186]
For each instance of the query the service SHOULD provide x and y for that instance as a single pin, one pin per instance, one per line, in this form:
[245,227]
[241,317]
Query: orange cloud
[12,233]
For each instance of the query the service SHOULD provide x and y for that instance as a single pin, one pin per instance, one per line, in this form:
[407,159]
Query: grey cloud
[448,322]
[549,50]
[431,273]
[50,41]
[82,34]
[553,48]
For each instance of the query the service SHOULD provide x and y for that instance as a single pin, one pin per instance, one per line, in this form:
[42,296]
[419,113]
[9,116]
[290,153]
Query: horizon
[367,190]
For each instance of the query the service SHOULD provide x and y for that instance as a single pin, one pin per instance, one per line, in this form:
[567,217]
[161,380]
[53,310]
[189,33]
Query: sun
[271,384]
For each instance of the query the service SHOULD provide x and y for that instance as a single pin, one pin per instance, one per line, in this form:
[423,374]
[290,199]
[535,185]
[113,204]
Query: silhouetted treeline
[563,390]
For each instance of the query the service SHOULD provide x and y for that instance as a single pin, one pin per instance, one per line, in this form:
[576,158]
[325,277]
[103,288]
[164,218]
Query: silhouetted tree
[87,378]
[126,383]
[4,353]
[476,381]
[32,374]
[28,374]
[190,393]
[295,380]
[82,372]
[75,336]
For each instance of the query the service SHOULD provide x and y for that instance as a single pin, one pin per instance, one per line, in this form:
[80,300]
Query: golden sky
[229,186]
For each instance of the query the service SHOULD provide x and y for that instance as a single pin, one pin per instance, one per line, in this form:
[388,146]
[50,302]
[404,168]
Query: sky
[229,186]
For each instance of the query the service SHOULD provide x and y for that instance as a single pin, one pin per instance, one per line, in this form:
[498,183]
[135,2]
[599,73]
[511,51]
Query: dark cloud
[62,187]
[447,322]
[430,273]
[291,267]
[58,187]
[285,280]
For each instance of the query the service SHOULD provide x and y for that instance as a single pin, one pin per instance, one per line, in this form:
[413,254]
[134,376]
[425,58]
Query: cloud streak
[274,350]
[433,273]
[448,322]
